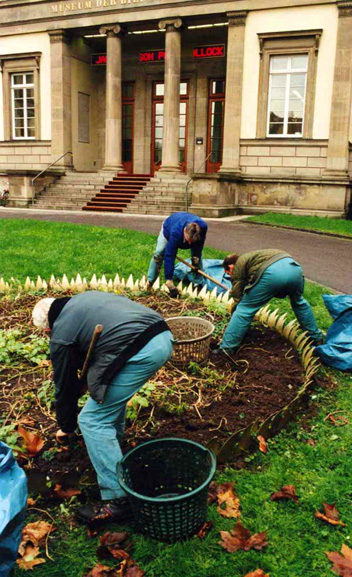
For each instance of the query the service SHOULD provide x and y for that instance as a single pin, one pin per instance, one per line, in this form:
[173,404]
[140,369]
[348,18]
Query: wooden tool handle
[203,274]
[97,332]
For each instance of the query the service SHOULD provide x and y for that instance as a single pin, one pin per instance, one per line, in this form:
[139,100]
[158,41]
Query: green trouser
[281,279]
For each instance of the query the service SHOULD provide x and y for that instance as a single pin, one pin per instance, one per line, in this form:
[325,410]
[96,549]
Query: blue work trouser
[282,278]
[157,259]
[102,425]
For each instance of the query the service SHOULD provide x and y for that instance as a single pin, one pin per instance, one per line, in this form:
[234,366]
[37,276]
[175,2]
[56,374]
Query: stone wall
[224,195]
[283,158]
[26,155]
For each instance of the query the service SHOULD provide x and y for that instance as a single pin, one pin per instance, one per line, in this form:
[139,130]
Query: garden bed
[205,403]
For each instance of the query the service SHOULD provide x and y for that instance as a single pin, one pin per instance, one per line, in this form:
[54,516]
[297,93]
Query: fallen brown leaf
[110,546]
[103,571]
[228,502]
[66,493]
[342,564]
[30,502]
[338,421]
[33,442]
[113,538]
[257,573]
[262,444]
[330,515]
[45,363]
[36,533]
[204,530]
[311,442]
[27,421]
[286,492]
[240,538]
[30,558]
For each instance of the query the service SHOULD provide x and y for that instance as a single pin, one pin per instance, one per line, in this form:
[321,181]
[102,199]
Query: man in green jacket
[134,344]
[257,277]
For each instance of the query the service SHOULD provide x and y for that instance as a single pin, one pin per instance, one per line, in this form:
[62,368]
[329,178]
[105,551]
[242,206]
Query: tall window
[216,109]
[23,105]
[287,79]
[287,93]
[158,124]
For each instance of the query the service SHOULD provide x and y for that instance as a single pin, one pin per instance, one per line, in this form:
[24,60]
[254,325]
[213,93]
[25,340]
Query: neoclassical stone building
[226,105]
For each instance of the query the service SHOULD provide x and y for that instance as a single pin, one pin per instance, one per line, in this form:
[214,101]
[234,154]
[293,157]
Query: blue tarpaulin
[13,500]
[212,267]
[337,349]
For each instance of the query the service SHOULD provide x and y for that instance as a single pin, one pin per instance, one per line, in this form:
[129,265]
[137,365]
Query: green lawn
[321,471]
[318,223]
[31,248]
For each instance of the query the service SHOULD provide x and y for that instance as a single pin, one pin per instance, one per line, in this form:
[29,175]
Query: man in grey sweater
[134,344]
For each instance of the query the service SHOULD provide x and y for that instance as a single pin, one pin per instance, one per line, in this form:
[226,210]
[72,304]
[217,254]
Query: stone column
[233,95]
[337,158]
[113,110]
[170,154]
[61,106]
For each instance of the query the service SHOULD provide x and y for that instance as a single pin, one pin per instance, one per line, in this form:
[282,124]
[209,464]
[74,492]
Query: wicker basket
[192,339]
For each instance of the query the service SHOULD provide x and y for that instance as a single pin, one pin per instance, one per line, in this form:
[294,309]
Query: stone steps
[117,193]
[131,194]
[72,190]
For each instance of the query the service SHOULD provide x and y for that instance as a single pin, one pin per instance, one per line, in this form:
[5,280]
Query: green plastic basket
[167,484]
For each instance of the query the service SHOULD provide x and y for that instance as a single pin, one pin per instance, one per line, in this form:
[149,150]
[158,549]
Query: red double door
[216,108]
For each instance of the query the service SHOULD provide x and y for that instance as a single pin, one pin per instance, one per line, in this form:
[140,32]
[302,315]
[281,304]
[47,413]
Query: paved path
[326,260]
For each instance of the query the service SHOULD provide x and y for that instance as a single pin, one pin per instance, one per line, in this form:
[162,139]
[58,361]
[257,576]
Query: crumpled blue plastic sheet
[337,350]
[212,267]
[13,500]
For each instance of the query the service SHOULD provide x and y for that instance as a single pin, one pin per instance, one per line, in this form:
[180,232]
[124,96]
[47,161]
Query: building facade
[249,98]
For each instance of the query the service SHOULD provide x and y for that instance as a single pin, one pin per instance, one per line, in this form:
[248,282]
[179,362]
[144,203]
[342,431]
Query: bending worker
[180,230]
[134,344]
[257,277]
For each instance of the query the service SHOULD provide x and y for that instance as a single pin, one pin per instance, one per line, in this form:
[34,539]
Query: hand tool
[96,334]
[203,274]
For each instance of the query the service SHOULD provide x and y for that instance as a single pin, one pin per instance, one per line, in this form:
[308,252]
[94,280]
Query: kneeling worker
[180,230]
[135,342]
[257,277]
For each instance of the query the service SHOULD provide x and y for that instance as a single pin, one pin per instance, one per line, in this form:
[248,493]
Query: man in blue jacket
[134,344]
[180,230]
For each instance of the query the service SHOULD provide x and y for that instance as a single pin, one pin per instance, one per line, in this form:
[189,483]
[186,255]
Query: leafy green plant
[50,455]
[46,394]
[13,347]
[139,400]
[174,408]
[9,435]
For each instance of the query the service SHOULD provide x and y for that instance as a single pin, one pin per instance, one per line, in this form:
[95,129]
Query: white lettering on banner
[63,7]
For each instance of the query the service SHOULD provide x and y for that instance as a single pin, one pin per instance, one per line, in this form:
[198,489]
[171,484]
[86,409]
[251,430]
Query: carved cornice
[237,18]
[58,36]
[110,31]
[345,8]
[312,36]
[170,24]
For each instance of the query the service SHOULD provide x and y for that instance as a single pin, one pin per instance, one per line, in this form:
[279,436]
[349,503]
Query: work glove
[172,289]
[195,263]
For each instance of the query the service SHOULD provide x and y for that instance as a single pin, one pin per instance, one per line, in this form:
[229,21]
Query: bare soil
[203,403]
